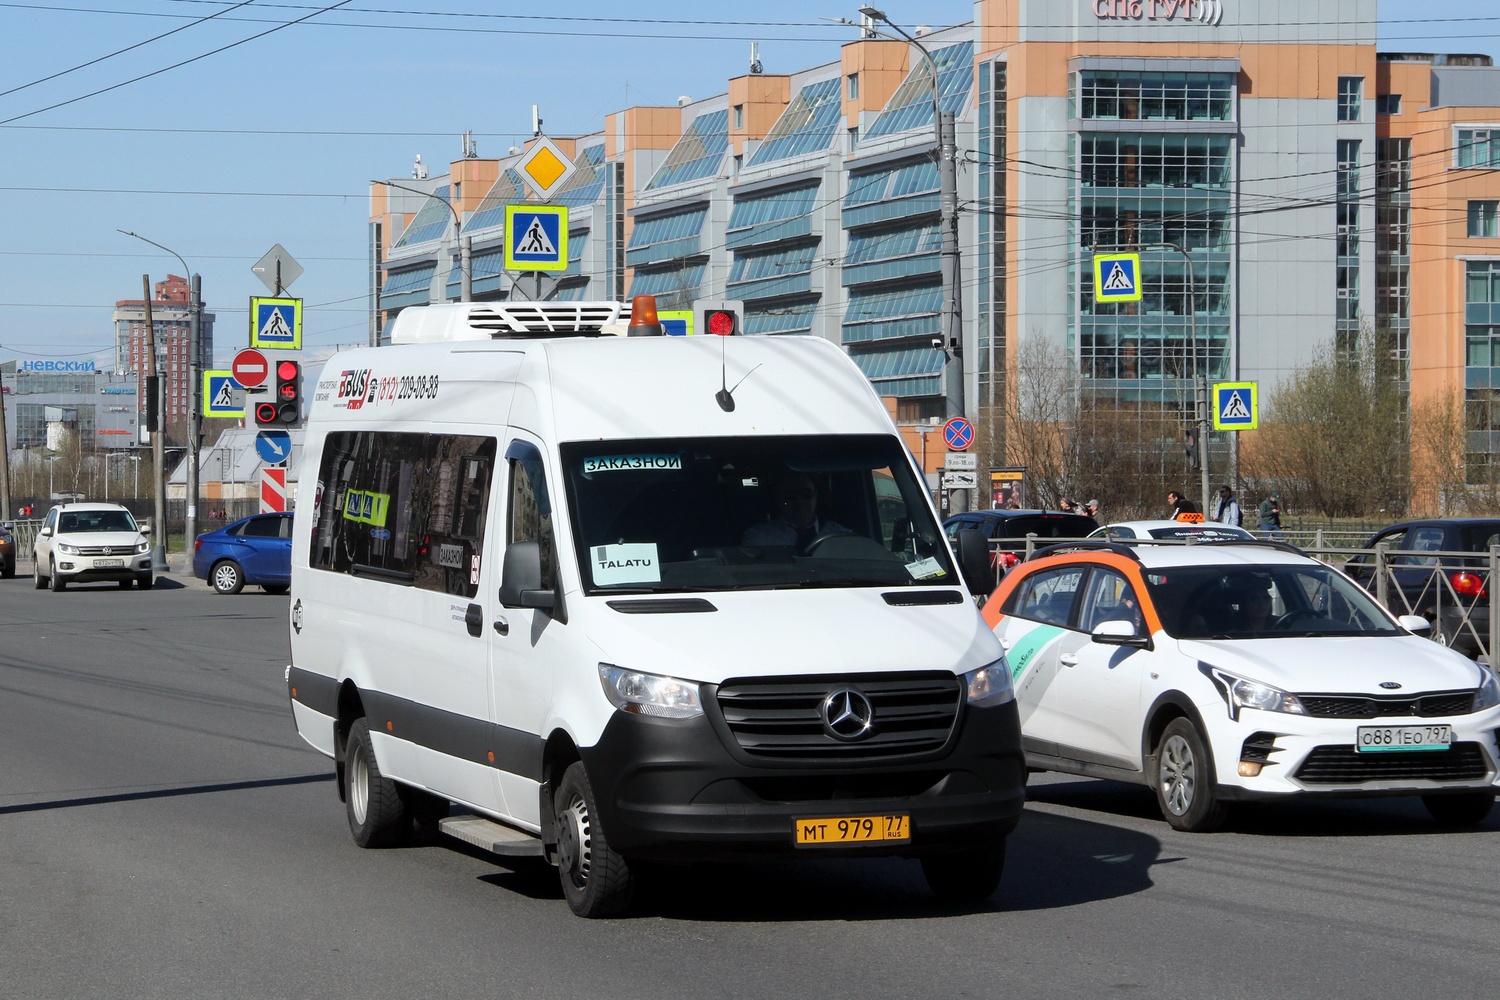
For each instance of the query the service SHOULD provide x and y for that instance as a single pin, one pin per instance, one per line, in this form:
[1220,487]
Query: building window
[1351,93]
[1388,104]
[1484,219]
[1478,147]
[1110,95]
[739,116]
[853,79]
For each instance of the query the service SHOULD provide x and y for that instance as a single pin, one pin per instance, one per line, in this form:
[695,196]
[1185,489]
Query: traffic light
[153,402]
[720,318]
[285,405]
[1190,442]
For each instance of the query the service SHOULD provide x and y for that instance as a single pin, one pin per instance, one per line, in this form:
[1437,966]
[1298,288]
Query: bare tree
[1333,439]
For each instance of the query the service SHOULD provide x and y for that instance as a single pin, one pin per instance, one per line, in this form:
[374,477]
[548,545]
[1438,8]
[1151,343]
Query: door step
[494,837]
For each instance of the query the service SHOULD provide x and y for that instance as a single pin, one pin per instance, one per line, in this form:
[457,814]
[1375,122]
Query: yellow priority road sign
[1117,277]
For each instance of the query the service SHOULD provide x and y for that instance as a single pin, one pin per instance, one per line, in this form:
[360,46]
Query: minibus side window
[530,507]
[406,509]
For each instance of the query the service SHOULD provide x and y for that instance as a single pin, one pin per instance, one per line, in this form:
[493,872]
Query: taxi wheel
[1182,774]
[595,880]
[227,578]
[57,582]
[965,876]
[377,814]
[1467,809]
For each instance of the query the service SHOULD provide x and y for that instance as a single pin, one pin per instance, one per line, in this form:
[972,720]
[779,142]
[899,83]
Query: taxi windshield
[1263,602]
[710,514]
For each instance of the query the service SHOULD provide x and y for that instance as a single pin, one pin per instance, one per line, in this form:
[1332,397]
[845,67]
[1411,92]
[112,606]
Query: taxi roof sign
[545,166]
[1117,277]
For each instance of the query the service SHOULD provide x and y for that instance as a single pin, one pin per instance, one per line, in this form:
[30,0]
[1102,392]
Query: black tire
[55,580]
[125,584]
[378,816]
[226,577]
[965,876]
[8,571]
[1182,773]
[274,588]
[1464,809]
[595,880]
[36,575]
[427,811]
[143,581]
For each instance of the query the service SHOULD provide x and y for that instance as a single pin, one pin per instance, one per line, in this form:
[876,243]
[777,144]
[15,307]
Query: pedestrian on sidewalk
[1227,510]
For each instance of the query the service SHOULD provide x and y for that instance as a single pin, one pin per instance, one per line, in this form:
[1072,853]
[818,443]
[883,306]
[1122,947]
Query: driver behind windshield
[796,522]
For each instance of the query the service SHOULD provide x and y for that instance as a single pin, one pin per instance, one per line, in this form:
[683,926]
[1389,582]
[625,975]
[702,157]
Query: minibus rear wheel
[595,880]
[378,816]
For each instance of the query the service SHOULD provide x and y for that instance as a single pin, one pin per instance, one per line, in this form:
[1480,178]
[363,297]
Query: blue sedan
[256,550]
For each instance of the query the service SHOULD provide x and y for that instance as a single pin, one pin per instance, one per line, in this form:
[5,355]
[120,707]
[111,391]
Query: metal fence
[211,516]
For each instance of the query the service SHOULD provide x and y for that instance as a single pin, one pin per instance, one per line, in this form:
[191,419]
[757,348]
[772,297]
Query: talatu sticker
[629,562]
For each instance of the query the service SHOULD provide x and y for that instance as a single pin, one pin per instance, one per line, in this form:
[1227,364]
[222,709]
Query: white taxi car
[1237,670]
[88,542]
[1172,531]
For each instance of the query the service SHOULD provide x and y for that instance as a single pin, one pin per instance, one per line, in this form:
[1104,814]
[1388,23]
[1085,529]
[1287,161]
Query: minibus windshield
[672,515]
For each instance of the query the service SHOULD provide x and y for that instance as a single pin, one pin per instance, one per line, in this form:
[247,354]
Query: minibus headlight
[990,685]
[649,694]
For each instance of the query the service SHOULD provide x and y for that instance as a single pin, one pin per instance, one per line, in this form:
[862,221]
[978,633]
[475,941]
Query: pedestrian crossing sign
[276,323]
[536,237]
[1117,277]
[222,396]
[1236,406]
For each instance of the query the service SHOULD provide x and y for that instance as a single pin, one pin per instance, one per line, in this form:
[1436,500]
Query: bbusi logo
[354,383]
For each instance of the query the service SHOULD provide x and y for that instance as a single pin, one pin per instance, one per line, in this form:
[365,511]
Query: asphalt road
[164,833]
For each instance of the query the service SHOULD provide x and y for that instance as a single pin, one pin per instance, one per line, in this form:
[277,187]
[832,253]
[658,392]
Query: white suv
[1238,671]
[85,542]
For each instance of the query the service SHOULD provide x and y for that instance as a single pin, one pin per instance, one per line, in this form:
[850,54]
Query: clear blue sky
[274,140]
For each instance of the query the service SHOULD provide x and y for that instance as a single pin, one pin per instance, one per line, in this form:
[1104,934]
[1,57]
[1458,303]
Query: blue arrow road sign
[273,447]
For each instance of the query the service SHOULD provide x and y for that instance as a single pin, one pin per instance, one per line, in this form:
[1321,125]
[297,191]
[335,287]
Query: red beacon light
[721,323]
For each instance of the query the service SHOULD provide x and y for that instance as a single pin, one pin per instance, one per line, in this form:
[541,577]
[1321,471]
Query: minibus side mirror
[521,578]
[974,561]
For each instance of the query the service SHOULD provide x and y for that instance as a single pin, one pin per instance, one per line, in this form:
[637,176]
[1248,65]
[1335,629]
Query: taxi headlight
[649,694]
[990,685]
[1488,695]
[1240,692]
[66,549]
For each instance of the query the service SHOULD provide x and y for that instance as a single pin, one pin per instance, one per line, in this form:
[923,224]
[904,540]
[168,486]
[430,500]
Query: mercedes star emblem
[848,715]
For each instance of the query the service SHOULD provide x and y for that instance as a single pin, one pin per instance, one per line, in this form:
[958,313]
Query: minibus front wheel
[595,880]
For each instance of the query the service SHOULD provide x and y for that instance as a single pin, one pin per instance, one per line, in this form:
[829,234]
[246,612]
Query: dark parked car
[1446,590]
[7,551]
[256,550]
[1007,530]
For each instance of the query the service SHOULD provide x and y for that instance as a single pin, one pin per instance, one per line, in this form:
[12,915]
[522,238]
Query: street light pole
[1200,385]
[950,323]
[195,388]
[465,243]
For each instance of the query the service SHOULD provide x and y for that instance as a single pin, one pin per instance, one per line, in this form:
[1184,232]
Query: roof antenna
[725,396]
